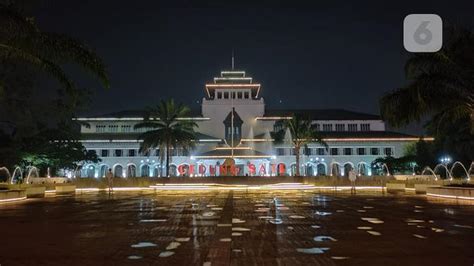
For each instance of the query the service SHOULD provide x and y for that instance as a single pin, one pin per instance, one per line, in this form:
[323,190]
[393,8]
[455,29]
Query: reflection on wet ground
[237,228]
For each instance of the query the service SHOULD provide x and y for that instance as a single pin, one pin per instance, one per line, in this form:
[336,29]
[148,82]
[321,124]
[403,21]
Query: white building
[232,103]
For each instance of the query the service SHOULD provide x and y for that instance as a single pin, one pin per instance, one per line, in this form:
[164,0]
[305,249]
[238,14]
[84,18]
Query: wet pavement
[237,228]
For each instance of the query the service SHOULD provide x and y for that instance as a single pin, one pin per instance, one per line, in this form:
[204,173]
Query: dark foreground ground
[236,228]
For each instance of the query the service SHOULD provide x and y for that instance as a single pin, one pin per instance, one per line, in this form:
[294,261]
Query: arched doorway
[347,168]
[281,169]
[145,170]
[335,169]
[309,170]
[321,169]
[173,170]
[103,170]
[362,169]
[293,169]
[183,170]
[118,171]
[91,171]
[131,170]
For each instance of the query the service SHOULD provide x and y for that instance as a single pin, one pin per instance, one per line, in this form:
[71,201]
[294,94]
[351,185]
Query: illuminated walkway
[237,227]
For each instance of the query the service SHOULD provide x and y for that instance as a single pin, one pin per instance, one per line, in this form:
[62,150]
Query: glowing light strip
[356,139]
[272,117]
[232,78]
[235,156]
[135,118]
[232,85]
[449,196]
[235,148]
[232,72]
[13,199]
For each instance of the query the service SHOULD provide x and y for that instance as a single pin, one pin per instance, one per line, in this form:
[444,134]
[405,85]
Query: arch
[131,170]
[335,169]
[183,169]
[321,169]
[117,170]
[293,169]
[156,171]
[90,170]
[348,166]
[103,170]
[145,170]
[262,170]
[309,169]
[173,171]
[363,168]
[281,169]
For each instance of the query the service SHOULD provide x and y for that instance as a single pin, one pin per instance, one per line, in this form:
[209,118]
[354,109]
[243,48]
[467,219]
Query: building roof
[237,119]
[134,114]
[133,136]
[320,114]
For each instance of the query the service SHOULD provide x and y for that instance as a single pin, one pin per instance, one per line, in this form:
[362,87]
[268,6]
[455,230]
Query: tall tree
[441,86]
[167,129]
[302,133]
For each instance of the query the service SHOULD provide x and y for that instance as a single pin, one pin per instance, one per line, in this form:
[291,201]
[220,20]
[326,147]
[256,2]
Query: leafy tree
[166,129]
[441,86]
[395,165]
[302,133]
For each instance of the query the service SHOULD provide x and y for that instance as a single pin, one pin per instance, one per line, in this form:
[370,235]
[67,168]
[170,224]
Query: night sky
[330,55]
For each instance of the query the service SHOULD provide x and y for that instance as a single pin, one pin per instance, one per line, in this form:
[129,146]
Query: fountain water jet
[4,169]
[446,168]
[12,178]
[31,170]
[464,168]
[427,168]
[288,140]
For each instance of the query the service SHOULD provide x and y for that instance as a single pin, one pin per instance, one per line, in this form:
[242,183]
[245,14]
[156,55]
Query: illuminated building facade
[234,124]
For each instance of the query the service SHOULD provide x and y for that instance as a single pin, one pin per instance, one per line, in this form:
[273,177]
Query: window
[113,128]
[280,151]
[232,95]
[239,95]
[226,95]
[157,152]
[219,95]
[352,127]
[317,127]
[374,151]
[100,128]
[321,151]
[340,127]
[327,127]
[131,153]
[360,151]
[104,153]
[334,151]
[364,127]
[246,94]
[347,151]
[126,128]
[388,151]
[118,153]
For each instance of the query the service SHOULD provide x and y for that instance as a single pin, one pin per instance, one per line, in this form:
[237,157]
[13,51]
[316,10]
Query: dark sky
[331,54]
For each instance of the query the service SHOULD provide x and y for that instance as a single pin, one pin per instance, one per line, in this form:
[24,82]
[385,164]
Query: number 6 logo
[422,33]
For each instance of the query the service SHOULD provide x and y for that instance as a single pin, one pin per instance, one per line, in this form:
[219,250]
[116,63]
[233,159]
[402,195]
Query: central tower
[232,93]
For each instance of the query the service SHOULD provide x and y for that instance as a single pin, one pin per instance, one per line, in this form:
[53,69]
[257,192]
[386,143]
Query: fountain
[448,174]
[251,143]
[268,146]
[464,168]
[471,168]
[288,140]
[5,170]
[386,168]
[31,170]
[12,178]
[427,168]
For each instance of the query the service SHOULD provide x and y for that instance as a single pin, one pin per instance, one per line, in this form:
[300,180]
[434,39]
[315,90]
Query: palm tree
[22,41]
[302,133]
[167,129]
[441,84]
